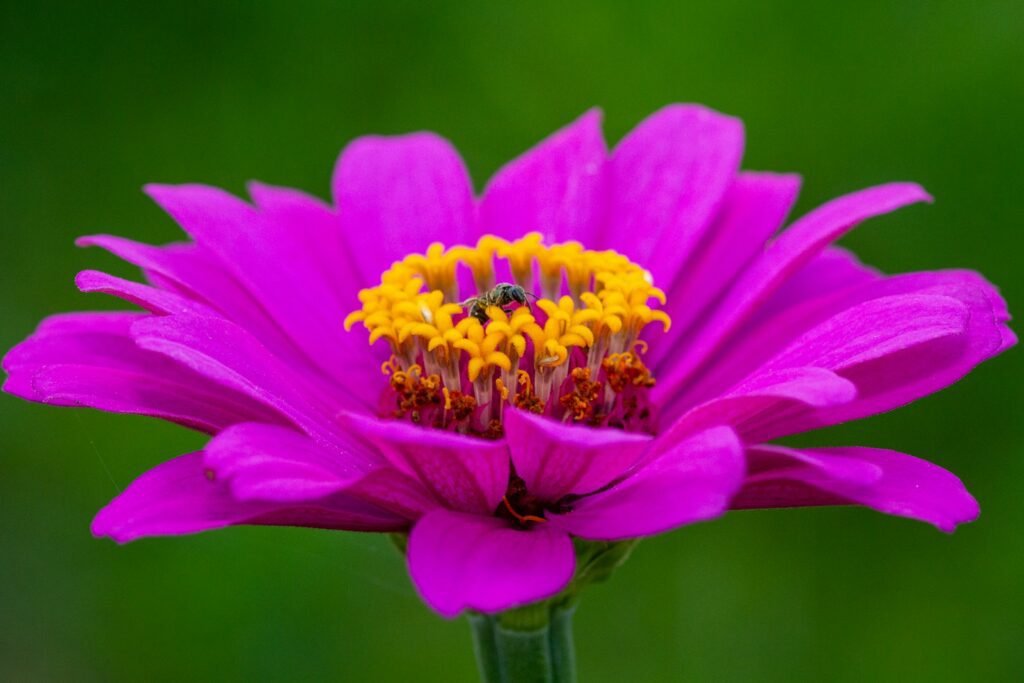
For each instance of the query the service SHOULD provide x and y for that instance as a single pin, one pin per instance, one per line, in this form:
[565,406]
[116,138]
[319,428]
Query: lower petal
[462,472]
[460,561]
[267,463]
[887,481]
[688,482]
[555,459]
[271,463]
[180,497]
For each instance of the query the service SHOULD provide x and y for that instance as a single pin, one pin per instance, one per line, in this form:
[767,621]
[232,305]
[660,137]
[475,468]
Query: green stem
[563,652]
[525,655]
[485,647]
[533,643]
[529,645]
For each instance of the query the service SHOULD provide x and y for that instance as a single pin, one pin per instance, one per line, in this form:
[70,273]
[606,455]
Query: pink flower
[495,435]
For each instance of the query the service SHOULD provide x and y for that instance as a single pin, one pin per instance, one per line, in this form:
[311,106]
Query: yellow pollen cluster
[592,305]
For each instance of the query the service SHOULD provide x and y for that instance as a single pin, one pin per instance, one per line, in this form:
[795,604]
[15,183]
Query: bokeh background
[98,98]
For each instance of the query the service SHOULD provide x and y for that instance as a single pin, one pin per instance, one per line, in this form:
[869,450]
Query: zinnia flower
[371,365]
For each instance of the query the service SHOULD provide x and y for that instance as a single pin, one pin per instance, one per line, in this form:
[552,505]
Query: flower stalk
[531,648]
[534,643]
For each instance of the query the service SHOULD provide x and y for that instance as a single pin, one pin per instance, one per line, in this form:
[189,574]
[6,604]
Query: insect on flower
[501,296]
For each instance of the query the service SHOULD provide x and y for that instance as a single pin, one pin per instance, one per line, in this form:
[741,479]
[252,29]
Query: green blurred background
[98,98]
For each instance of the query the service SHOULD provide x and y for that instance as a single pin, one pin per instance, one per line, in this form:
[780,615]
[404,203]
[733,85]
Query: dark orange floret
[461,405]
[495,430]
[582,402]
[626,369]
[414,392]
[525,399]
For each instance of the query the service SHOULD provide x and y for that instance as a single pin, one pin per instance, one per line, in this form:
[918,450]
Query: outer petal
[461,472]
[459,561]
[887,481]
[266,462]
[273,464]
[179,497]
[689,481]
[192,272]
[755,206]
[317,227]
[272,260]
[396,195]
[228,355]
[89,359]
[668,176]
[797,246]
[771,403]
[916,329]
[555,188]
[899,378]
[154,300]
[555,459]
[894,379]
[833,270]
[875,329]
[985,335]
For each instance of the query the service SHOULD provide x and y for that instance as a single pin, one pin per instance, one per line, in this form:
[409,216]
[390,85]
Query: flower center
[468,334]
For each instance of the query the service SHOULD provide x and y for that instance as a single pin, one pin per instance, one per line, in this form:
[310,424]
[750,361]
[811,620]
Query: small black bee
[501,296]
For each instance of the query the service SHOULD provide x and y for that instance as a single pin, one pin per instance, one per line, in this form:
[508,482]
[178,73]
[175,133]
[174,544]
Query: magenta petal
[667,178]
[154,300]
[754,208]
[89,359]
[398,194]
[875,329]
[275,464]
[228,355]
[272,260]
[903,336]
[899,378]
[459,562]
[267,462]
[462,472]
[555,188]
[771,404]
[796,247]
[316,228]
[833,270]
[889,348]
[176,497]
[892,380]
[689,481]
[192,272]
[180,497]
[555,459]
[887,481]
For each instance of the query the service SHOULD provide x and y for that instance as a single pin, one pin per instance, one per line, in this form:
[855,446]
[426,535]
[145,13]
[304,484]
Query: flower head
[602,346]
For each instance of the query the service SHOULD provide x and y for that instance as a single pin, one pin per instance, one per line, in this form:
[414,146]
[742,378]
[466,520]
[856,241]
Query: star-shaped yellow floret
[565,327]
